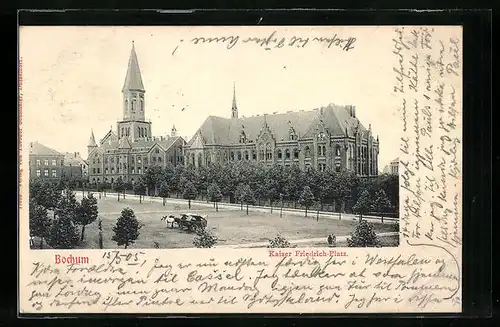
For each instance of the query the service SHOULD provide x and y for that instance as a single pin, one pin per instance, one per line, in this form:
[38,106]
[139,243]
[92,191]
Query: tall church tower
[133,90]
[234,108]
[134,125]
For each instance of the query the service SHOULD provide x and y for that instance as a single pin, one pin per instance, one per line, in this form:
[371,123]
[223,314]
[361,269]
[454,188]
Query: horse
[169,220]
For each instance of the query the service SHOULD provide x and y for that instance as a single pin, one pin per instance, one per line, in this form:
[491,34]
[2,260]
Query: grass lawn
[231,226]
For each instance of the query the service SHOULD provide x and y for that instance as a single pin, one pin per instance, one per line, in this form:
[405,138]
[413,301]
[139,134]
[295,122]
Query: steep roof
[124,143]
[225,131]
[73,159]
[92,142]
[42,150]
[133,79]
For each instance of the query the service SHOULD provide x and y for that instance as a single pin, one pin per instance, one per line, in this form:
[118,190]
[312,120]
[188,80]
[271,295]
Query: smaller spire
[173,133]
[234,108]
[92,142]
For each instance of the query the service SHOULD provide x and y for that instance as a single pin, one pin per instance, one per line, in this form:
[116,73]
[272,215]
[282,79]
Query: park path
[340,239]
[232,206]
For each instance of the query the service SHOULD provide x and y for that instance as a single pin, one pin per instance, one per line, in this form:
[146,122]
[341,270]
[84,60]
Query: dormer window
[321,136]
[243,138]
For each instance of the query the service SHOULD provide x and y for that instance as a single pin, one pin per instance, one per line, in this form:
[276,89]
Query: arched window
[133,104]
[122,132]
[246,155]
[287,154]
[296,153]
[200,160]
[337,150]
[126,104]
[269,154]
[308,152]
[142,104]
[239,155]
[261,154]
[324,150]
[280,154]
[254,155]
[232,156]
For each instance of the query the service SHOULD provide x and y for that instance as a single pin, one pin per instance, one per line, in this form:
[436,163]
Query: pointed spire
[234,94]
[174,131]
[234,108]
[133,79]
[92,139]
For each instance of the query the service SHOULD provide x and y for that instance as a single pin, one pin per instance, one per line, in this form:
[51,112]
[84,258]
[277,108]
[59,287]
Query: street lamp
[281,209]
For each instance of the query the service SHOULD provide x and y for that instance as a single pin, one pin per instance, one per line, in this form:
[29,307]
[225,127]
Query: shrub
[279,242]
[126,229]
[396,227]
[204,239]
[63,233]
[39,221]
[364,236]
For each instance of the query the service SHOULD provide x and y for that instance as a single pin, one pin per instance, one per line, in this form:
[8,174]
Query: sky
[72,79]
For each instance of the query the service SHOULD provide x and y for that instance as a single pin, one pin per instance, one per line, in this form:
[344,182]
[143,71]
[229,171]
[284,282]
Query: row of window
[268,155]
[154,160]
[53,162]
[112,170]
[134,104]
[46,173]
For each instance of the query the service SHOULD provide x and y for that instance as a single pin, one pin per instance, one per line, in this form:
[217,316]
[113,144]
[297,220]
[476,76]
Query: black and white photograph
[249,169]
[151,141]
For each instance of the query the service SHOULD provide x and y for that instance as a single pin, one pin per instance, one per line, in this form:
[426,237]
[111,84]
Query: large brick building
[45,163]
[330,136]
[131,150]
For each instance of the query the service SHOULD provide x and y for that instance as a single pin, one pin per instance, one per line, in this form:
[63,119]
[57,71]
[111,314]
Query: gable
[110,137]
[156,146]
[198,142]
[94,154]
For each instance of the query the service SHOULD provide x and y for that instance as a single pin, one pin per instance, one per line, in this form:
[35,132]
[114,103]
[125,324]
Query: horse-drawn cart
[188,222]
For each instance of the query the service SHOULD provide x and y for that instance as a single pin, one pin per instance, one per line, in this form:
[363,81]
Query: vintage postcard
[250,169]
